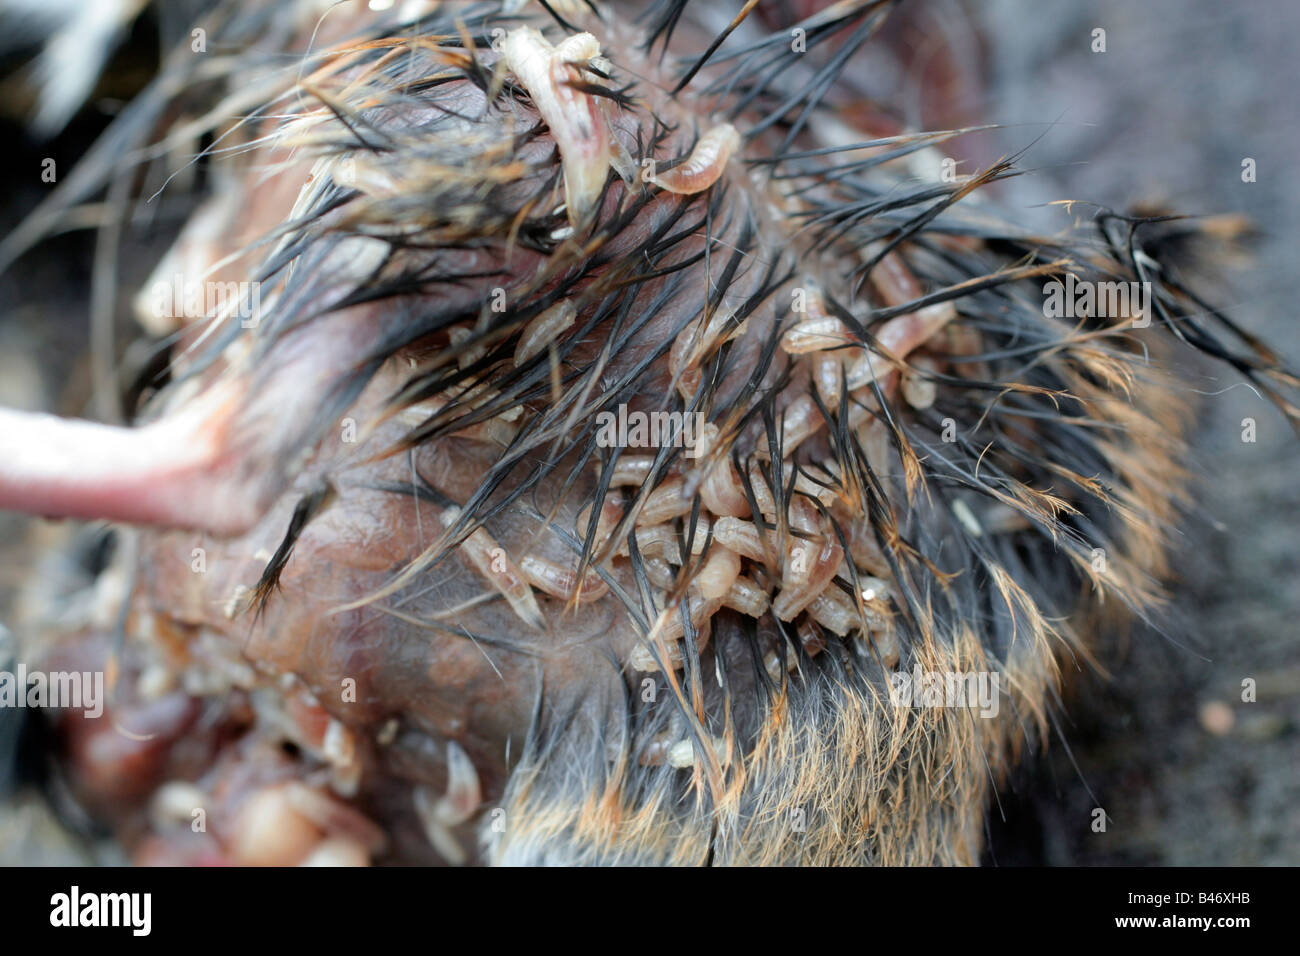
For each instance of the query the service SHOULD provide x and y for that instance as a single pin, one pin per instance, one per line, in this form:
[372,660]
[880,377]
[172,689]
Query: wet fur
[1075,426]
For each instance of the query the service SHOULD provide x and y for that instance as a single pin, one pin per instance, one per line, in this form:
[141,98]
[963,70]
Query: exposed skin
[202,465]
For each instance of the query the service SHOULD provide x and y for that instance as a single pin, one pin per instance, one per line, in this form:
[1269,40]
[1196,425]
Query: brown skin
[440,684]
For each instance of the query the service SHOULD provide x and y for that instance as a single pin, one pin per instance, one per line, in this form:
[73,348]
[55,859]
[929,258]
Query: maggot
[704,166]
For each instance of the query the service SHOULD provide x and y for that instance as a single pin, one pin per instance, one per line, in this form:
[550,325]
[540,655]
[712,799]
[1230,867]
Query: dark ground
[1186,89]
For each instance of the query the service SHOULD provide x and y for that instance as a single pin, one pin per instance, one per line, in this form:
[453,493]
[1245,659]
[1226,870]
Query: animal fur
[433,184]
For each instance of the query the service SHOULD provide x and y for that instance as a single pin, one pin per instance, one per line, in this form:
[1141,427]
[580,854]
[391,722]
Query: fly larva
[694,343]
[919,390]
[665,542]
[611,512]
[741,537]
[681,755]
[700,611]
[772,665]
[466,354]
[886,642]
[655,752]
[544,329]
[491,561]
[798,594]
[577,120]
[561,582]
[800,421]
[762,493]
[665,503]
[816,335]
[631,470]
[832,610]
[669,629]
[720,491]
[704,166]
[441,815]
[811,637]
[817,330]
[719,572]
[746,597]
[828,378]
[796,569]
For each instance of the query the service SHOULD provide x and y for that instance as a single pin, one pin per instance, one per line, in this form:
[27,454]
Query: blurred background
[1187,773]
[1185,91]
